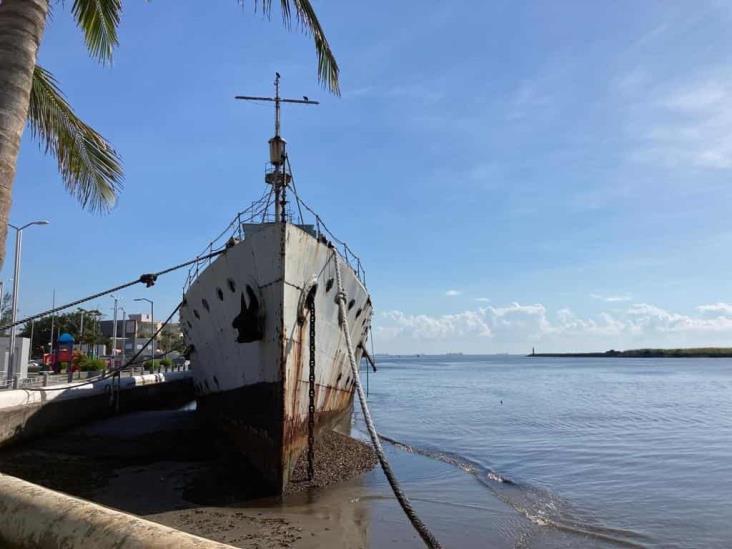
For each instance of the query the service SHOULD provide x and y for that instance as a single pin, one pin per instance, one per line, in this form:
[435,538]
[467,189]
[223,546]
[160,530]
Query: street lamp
[114,329]
[14,313]
[124,333]
[152,322]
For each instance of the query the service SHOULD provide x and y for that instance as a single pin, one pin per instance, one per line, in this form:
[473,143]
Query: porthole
[358,313]
[232,284]
[328,285]
[195,313]
[220,294]
[205,305]
[351,304]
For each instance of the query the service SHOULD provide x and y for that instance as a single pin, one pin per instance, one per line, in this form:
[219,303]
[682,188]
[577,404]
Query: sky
[512,174]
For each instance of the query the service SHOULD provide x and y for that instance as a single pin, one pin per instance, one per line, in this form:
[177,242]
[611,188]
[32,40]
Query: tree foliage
[65,323]
[89,166]
[171,339]
[304,17]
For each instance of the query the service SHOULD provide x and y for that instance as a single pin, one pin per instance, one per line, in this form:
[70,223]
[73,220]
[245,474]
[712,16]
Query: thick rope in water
[424,532]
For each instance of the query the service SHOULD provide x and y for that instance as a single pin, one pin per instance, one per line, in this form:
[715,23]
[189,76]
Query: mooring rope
[424,532]
[148,279]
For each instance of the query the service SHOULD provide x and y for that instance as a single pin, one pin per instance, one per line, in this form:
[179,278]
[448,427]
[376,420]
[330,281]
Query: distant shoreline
[700,352]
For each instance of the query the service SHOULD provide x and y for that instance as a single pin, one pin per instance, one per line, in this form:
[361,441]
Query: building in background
[22,348]
[136,329]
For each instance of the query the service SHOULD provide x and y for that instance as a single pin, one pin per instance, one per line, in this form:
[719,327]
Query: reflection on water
[616,452]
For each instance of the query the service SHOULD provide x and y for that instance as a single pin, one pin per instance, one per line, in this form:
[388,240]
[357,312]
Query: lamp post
[152,322]
[114,329]
[12,366]
[53,317]
[33,329]
[124,333]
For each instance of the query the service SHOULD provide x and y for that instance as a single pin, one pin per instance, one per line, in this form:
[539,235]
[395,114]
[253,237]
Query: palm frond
[302,12]
[98,19]
[90,167]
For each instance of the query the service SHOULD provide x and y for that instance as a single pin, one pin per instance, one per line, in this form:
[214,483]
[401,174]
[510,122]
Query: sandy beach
[166,467]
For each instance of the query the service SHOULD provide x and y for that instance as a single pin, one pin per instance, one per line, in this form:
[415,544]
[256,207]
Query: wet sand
[167,467]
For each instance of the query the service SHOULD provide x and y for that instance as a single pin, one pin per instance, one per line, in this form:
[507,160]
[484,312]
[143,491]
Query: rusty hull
[255,389]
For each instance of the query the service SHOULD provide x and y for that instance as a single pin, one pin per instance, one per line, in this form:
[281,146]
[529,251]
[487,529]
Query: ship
[267,352]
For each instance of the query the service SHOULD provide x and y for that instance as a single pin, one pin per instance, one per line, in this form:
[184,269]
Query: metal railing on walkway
[46,379]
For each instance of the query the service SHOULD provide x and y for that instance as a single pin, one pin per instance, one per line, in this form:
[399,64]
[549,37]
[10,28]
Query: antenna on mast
[278,178]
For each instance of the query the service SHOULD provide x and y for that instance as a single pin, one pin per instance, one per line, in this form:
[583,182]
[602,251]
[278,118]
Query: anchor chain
[311,392]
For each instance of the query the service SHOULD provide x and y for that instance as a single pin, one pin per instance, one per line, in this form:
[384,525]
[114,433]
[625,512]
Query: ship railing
[259,212]
[255,212]
[353,261]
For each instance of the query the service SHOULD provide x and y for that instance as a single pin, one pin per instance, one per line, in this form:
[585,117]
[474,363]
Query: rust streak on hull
[254,387]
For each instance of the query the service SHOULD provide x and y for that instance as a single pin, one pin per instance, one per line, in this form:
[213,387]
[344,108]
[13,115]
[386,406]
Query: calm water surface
[532,452]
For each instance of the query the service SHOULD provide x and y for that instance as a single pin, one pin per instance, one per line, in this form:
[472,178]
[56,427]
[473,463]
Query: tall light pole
[12,366]
[53,317]
[33,328]
[114,328]
[124,334]
[152,322]
[81,330]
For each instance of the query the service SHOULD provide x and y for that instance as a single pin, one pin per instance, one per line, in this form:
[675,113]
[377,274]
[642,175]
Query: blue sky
[513,174]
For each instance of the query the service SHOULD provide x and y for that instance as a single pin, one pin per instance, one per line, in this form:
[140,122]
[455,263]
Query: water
[540,452]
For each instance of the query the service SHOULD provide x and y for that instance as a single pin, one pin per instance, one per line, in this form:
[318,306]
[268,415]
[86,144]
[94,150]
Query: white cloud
[429,327]
[724,309]
[483,299]
[610,298]
[453,293]
[516,327]
[689,125]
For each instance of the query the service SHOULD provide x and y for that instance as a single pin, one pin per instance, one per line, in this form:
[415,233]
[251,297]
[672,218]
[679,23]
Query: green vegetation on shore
[696,352]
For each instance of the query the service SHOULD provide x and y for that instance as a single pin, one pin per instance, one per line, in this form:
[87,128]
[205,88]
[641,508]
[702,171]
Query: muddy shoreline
[167,467]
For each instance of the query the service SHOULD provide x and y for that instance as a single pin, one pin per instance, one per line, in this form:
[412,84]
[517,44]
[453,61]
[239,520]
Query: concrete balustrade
[27,413]
[35,517]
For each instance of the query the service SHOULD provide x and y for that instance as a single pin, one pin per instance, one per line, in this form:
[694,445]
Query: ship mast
[278,177]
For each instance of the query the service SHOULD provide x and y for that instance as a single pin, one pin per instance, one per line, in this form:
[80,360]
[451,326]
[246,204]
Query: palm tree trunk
[21,28]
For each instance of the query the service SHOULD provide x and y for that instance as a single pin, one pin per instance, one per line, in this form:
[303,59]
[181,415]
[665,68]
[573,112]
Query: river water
[501,451]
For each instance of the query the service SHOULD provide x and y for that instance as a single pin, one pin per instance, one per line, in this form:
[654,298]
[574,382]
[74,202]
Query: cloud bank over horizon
[516,328]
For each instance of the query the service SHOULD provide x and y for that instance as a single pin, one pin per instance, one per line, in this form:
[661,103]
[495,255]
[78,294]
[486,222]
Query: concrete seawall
[26,414]
[33,516]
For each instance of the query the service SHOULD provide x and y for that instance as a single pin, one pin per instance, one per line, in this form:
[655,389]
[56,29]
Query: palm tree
[88,165]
